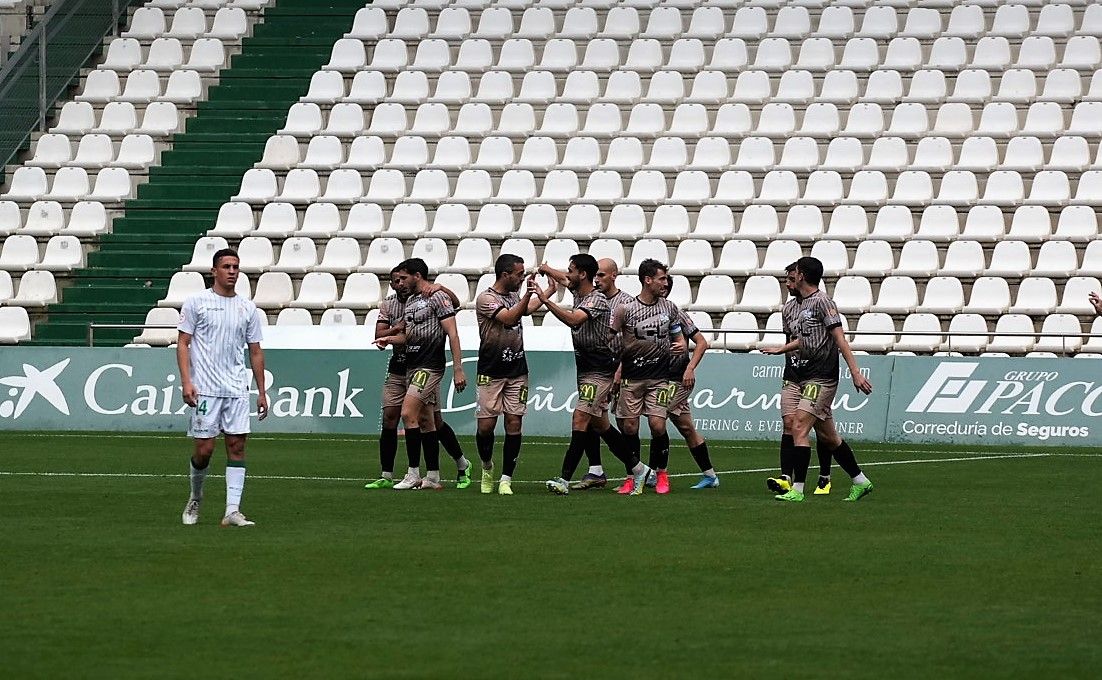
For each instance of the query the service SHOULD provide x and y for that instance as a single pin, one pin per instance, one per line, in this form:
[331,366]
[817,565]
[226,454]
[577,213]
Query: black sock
[787,446]
[618,445]
[413,447]
[430,442]
[511,453]
[635,447]
[593,447]
[846,460]
[388,448]
[204,466]
[446,436]
[824,459]
[574,453]
[801,460]
[485,445]
[660,451]
[700,455]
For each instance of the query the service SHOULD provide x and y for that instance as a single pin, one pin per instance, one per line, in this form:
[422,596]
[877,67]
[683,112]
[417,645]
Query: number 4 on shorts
[201,407]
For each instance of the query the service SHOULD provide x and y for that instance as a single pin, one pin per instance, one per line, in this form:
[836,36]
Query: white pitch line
[306,478]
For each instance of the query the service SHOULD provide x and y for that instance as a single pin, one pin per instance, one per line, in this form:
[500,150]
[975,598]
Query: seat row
[794,86]
[759,223]
[159,119]
[97,150]
[667,23]
[46,218]
[109,185]
[972,334]
[687,55]
[20,253]
[693,257]
[645,187]
[756,154]
[205,55]
[561,120]
[149,22]
[209,4]
[141,86]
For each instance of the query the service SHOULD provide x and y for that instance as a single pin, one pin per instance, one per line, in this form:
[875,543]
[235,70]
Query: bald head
[605,281]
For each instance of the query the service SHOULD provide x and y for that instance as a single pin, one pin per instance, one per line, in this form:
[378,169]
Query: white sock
[710,472]
[415,472]
[235,486]
[596,469]
[388,475]
[433,475]
[506,478]
[197,478]
[639,467]
[861,479]
[462,464]
[798,486]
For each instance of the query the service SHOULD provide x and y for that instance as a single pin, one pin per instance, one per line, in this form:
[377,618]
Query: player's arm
[458,376]
[510,316]
[859,381]
[570,317]
[256,360]
[553,274]
[790,346]
[534,303]
[700,346]
[431,289]
[183,363]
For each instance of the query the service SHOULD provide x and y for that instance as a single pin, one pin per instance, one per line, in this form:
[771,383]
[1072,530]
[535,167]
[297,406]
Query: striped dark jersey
[391,312]
[425,337]
[501,350]
[645,331]
[618,300]
[592,339]
[811,319]
[679,362]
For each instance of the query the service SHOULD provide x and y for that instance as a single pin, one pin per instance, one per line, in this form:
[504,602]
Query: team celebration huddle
[636,356]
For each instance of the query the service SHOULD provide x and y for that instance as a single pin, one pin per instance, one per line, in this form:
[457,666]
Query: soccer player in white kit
[215,327]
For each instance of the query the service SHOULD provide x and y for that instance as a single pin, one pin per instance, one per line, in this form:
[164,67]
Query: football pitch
[964,562]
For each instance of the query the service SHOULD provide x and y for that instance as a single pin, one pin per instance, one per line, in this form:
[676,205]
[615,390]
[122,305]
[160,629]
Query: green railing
[47,62]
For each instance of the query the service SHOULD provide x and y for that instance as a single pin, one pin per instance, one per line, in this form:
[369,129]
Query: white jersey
[220,327]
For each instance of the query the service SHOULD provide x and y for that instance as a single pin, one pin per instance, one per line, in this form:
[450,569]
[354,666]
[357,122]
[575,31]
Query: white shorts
[219,415]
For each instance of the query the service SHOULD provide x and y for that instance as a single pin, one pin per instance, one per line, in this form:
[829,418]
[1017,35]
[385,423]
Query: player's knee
[580,420]
[486,426]
[512,424]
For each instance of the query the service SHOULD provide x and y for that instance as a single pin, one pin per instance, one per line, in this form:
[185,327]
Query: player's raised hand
[862,383]
[1096,302]
[552,286]
[540,293]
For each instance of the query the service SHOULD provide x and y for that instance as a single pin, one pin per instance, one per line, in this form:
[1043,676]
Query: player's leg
[801,458]
[841,452]
[450,443]
[515,405]
[200,461]
[630,406]
[490,403]
[411,419]
[430,447]
[790,399]
[579,425]
[595,477]
[658,395]
[234,418]
[682,419]
[394,390]
[826,442]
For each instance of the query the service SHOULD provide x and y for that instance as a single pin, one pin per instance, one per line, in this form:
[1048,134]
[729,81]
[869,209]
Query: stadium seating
[941,157]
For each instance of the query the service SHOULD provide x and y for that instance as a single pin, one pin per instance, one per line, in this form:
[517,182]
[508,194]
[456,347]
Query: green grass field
[963,563]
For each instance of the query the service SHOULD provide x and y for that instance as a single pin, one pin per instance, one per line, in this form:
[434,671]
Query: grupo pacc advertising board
[916,399]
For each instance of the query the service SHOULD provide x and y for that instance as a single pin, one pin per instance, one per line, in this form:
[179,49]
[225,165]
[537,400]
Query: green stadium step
[176,240]
[75,334]
[139,276]
[111,294]
[117,258]
[184,205]
[192,157]
[98,278]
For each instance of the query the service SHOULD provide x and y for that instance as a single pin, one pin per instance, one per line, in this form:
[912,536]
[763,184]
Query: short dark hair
[790,268]
[414,265]
[650,267]
[811,268]
[585,263]
[225,252]
[505,264]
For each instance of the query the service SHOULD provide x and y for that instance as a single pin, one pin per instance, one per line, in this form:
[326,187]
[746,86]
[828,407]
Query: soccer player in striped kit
[215,328]
[596,363]
[815,334]
[648,326]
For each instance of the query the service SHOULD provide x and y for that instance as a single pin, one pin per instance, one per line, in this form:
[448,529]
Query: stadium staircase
[154,237]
